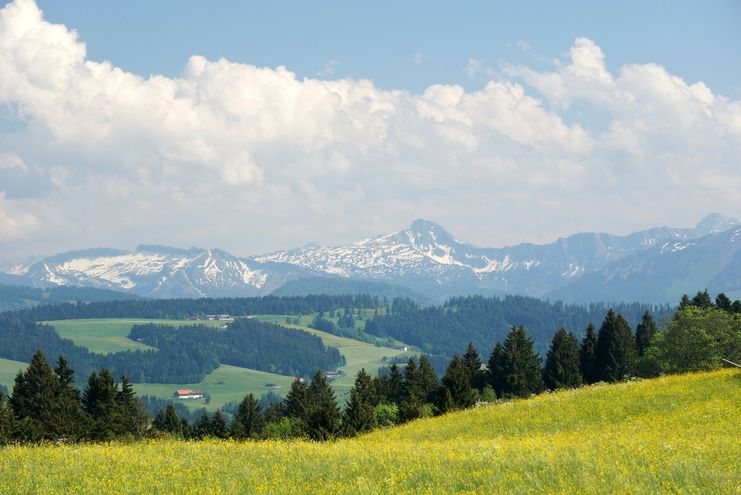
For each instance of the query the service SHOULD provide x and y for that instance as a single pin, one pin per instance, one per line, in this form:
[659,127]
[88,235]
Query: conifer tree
[359,415]
[615,354]
[562,368]
[34,401]
[586,355]
[645,331]
[249,420]
[723,302]
[99,402]
[134,417]
[414,397]
[457,382]
[684,302]
[202,426]
[473,363]
[297,399]
[323,415]
[218,425]
[521,374]
[6,420]
[167,421]
[702,300]
[427,378]
[396,385]
[495,369]
[73,423]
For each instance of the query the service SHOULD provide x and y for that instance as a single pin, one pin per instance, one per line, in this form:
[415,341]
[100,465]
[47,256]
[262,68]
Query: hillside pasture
[8,370]
[672,435]
[107,335]
[224,384]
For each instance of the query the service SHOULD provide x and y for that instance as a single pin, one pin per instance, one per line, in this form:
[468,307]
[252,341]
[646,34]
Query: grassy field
[8,370]
[230,383]
[227,383]
[224,384]
[671,435]
[110,334]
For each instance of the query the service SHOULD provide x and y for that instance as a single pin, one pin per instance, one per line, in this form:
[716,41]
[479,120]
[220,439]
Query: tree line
[440,329]
[182,309]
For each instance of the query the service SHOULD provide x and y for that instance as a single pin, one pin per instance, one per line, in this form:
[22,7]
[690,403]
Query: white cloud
[252,158]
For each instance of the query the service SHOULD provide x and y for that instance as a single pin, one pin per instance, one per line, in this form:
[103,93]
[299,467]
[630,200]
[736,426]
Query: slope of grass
[671,435]
[224,384]
[8,370]
[111,334]
[357,355]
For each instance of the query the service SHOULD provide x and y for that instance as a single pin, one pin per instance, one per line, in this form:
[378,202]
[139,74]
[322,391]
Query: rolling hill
[676,434]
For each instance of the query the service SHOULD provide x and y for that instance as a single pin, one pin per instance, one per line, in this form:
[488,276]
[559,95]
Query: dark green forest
[481,320]
[185,354]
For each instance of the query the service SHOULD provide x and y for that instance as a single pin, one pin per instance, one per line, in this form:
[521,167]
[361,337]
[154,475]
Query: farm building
[188,394]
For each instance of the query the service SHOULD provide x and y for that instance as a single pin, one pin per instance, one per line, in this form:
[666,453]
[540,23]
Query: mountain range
[654,265]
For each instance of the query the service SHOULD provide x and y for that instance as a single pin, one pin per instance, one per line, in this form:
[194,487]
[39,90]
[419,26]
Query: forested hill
[14,297]
[180,309]
[339,286]
[184,354]
[445,330]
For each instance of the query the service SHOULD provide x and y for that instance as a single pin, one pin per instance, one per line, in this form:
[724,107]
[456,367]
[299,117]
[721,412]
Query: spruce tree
[427,378]
[218,425]
[521,374]
[495,369]
[396,385]
[202,426]
[473,363]
[562,369]
[723,302]
[359,415]
[615,354]
[297,400]
[457,382]
[99,402]
[133,414]
[73,423]
[167,421]
[249,420]
[414,397]
[35,401]
[645,331]
[323,415]
[586,355]
[6,421]
[702,300]
[684,302]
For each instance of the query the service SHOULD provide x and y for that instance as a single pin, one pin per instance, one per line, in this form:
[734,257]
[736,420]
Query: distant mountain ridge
[653,265]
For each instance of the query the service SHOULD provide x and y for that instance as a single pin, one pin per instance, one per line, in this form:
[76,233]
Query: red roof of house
[188,392]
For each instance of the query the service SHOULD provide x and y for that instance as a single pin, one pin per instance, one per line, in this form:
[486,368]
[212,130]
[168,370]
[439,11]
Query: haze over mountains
[654,265]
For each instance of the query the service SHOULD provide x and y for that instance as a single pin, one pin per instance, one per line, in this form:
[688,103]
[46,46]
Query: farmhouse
[333,375]
[188,394]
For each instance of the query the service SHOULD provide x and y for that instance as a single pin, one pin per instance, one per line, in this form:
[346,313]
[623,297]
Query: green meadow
[111,334]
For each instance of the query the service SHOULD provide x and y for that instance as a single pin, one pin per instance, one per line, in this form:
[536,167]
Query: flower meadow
[675,434]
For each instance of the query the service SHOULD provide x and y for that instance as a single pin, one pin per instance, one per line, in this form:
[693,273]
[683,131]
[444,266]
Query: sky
[256,126]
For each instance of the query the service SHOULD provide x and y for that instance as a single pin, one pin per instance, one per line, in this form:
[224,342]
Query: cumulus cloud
[252,158]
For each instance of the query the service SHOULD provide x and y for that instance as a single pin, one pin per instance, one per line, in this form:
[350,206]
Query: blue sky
[259,126]
[380,40]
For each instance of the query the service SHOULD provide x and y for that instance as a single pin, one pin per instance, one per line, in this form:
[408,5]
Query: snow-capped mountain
[429,260]
[160,272]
